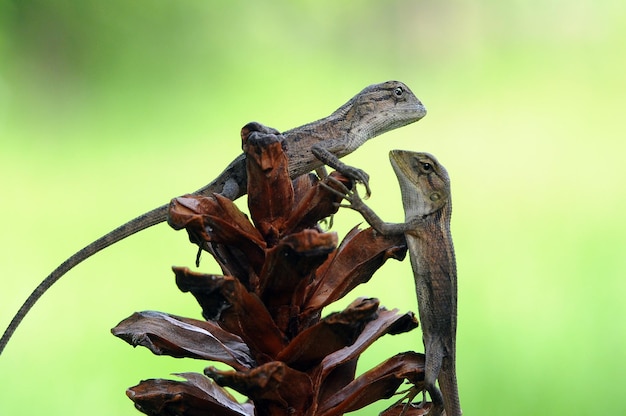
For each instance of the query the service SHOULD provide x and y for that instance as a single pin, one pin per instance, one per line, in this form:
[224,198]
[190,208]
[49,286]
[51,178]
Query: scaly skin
[425,188]
[374,111]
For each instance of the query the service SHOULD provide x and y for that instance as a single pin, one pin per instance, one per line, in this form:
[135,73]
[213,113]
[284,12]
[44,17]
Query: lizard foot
[409,396]
[351,172]
[350,195]
[359,176]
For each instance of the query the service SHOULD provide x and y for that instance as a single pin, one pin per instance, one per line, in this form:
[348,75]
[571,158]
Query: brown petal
[412,409]
[302,185]
[205,288]
[187,212]
[178,337]
[217,219]
[289,269]
[198,396]
[381,382]
[195,210]
[270,194]
[237,263]
[331,372]
[255,126]
[318,203]
[360,254]
[334,332]
[226,300]
[272,386]
[248,318]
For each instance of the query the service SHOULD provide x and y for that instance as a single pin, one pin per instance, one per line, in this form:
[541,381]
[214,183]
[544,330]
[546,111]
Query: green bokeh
[108,109]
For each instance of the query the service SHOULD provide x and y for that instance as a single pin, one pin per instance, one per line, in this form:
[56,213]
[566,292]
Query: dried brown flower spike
[263,314]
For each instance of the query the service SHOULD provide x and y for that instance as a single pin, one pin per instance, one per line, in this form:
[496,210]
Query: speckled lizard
[425,190]
[375,110]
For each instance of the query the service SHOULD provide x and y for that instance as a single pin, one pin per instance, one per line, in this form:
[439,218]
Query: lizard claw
[344,191]
[359,176]
[409,395]
[344,195]
[350,195]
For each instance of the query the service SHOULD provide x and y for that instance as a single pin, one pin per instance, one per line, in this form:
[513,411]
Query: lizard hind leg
[409,396]
[411,393]
[437,400]
[434,361]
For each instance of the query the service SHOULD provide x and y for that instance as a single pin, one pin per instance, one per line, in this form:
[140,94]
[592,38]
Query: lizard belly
[435,288]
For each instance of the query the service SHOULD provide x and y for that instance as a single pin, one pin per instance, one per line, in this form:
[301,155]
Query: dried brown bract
[264,312]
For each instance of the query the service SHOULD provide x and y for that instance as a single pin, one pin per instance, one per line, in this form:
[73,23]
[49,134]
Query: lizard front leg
[357,204]
[330,159]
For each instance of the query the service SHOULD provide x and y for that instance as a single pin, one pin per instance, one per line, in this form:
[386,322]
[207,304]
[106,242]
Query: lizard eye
[398,92]
[427,167]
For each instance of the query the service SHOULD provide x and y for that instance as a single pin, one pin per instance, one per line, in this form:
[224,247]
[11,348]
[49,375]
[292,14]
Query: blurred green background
[108,109]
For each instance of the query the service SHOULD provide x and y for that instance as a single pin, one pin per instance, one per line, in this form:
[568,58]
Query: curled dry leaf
[360,254]
[273,386]
[407,409]
[216,220]
[381,381]
[337,330]
[205,288]
[317,203]
[268,173]
[289,269]
[213,218]
[337,370]
[236,310]
[196,396]
[179,337]
[248,318]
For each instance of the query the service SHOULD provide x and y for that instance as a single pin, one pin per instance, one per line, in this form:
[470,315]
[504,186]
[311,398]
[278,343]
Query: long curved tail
[230,183]
[142,222]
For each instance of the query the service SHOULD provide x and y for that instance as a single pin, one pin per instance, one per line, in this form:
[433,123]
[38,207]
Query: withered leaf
[255,126]
[179,337]
[386,321]
[381,382]
[331,367]
[268,175]
[195,210]
[237,263]
[248,318]
[302,184]
[337,330]
[225,299]
[217,219]
[198,396]
[360,254]
[271,385]
[316,204]
[205,288]
[289,268]
[404,409]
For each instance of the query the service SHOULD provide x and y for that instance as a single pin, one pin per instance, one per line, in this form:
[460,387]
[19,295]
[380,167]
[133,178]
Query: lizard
[425,190]
[375,110]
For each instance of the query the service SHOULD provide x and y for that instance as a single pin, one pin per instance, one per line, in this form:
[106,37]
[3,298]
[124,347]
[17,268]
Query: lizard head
[424,181]
[382,107]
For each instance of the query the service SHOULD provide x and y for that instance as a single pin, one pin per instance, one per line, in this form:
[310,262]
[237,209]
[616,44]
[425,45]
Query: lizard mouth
[407,114]
[420,110]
